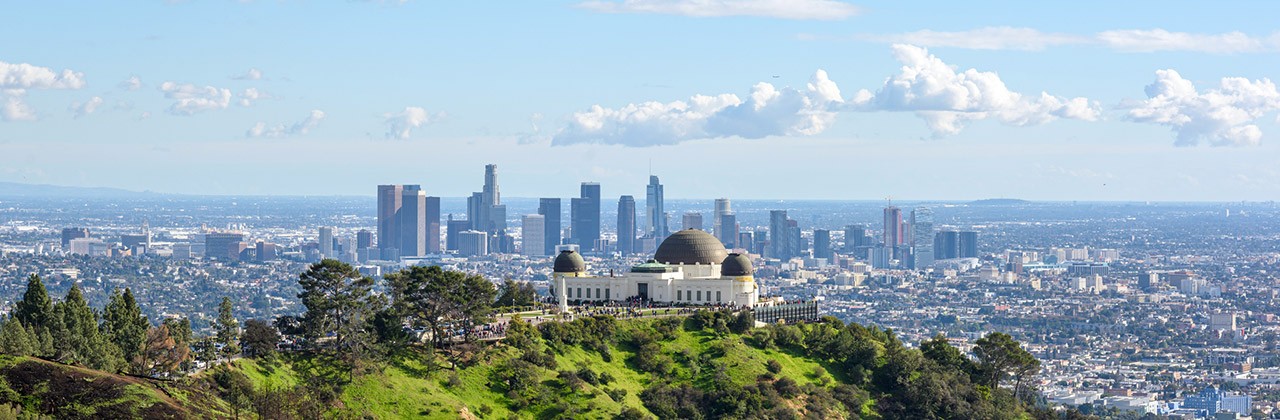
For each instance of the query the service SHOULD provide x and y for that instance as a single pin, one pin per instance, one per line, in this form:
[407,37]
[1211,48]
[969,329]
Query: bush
[616,394]
[773,366]
[589,376]
[786,387]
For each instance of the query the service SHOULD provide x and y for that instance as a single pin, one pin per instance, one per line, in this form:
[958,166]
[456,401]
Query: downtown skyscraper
[549,208]
[627,225]
[921,237]
[485,210]
[406,217]
[893,231]
[585,217]
[655,210]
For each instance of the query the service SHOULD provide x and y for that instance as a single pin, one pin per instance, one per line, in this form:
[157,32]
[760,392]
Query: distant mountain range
[14,189]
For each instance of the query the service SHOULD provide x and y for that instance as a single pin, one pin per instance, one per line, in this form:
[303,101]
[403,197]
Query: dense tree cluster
[117,339]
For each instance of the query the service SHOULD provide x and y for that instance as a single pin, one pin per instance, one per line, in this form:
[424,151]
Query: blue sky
[860,100]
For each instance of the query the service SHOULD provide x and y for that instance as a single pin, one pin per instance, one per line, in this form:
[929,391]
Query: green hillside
[31,387]
[409,387]
[708,365]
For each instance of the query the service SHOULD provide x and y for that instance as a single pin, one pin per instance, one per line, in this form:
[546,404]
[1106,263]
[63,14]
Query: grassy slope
[406,390]
[73,392]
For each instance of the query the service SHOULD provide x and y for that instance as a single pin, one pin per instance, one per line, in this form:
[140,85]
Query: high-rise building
[779,233]
[655,210]
[721,208]
[728,230]
[473,243]
[854,236]
[585,217]
[532,229]
[549,208]
[892,227]
[433,225]
[364,239]
[691,220]
[822,244]
[73,233]
[412,221]
[453,230]
[326,242]
[922,237]
[389,197]
[627,225]
[968,244]
[223,246]
[484,208]
[946,245]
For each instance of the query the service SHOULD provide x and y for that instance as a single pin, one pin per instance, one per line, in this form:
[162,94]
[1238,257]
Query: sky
[750,99]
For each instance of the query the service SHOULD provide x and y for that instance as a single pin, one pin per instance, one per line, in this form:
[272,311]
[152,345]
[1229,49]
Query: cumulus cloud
[132,83]
[990,38]
[87,107]
[1123,40]
[17,79]
[400,125]
[944,98]
[251,74]
[190,99]
[767,111]
[251,95]
[281,130]
[947,99]
[781,9]
[27,76]
[1222,116]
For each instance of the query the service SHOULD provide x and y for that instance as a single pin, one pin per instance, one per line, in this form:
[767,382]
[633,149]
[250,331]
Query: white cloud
[782,9]
[26,76]
[1137,40]
[767,111]
[190,99]
[280,130]
[251,74]
[16,79]
[947,99]
[1123,40]
[1223,116]
[400,125]
[14,108]
[927,86]
[989,38]
[86,108]
[132,83]
[251,95]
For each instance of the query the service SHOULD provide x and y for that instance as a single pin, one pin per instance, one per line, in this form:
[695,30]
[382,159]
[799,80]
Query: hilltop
[708,365]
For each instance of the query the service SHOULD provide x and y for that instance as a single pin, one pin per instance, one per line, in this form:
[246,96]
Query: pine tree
[125,326]
[35,308]
[339,300]
[81,342]
[16,339]
[228,329]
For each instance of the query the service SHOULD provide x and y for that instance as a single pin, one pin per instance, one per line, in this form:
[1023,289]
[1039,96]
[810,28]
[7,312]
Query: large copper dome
[569,261]
[691,246]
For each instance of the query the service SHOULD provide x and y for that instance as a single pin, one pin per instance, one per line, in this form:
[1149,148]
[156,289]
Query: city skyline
[1006,104]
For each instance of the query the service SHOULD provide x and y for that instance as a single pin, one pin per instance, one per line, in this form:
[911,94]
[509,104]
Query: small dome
[691,246]
[569,261]
[736,265]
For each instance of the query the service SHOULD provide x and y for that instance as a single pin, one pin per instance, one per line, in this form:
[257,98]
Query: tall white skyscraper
[326,242]
[532,235]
